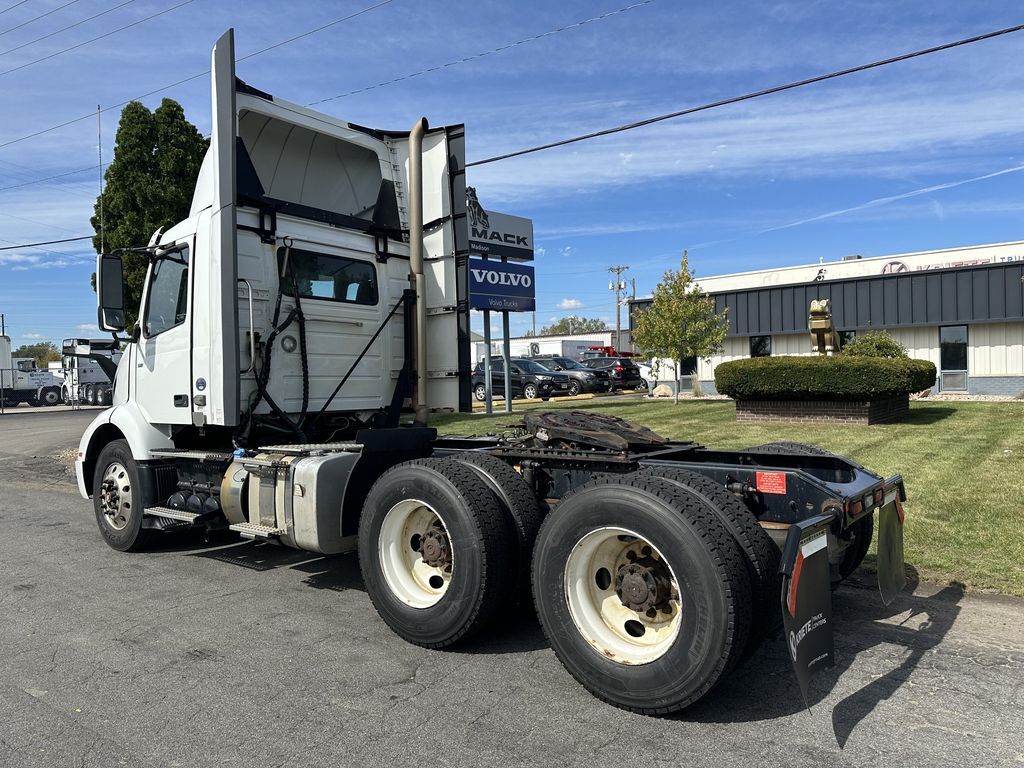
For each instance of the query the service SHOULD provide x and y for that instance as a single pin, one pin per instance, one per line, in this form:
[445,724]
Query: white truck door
[163,363]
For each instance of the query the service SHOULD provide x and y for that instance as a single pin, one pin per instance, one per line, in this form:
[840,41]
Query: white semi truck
[22,382]
[297,330]
[86,371]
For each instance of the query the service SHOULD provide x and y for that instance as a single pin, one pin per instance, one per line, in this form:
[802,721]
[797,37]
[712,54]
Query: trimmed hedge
[823,378]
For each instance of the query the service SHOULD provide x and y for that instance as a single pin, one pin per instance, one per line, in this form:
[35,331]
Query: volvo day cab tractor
[22,382]
[87,371]
[297,330]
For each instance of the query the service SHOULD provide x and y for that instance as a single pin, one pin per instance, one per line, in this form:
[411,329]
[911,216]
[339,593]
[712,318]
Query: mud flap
[807,599]
[892,576]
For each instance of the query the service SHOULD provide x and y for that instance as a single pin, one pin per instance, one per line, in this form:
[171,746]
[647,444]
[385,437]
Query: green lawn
[963,463]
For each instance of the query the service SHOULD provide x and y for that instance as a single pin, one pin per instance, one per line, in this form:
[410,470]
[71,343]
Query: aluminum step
[172,514]
[257,530]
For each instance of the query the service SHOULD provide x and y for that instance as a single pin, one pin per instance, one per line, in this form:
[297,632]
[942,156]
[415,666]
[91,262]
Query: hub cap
[116,496]
[622,596]
[415,553]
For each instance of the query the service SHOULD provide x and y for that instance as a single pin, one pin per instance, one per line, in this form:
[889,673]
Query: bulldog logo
[477,214]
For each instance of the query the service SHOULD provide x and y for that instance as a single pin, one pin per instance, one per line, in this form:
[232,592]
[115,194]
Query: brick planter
[824,411]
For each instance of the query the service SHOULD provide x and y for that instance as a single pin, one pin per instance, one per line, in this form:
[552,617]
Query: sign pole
[506,354]
[488,393]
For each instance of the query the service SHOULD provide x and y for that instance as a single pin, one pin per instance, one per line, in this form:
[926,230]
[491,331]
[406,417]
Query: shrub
[823,378]
[875,344]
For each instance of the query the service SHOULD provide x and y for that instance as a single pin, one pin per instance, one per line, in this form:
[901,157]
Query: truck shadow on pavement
[763,688]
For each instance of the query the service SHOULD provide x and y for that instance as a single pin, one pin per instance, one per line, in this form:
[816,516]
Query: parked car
[622,370]
[529,379]
[581,378]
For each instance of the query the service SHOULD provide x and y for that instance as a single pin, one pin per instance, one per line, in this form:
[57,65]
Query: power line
[45,242]
[163,88]
[64,29]
[749,96]
[50,178]
[37,18]
[500,49]
[98,37]
[12,7]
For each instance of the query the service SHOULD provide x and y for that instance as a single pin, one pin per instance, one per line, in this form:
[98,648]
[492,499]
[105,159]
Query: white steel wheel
[622,596]
[415,553]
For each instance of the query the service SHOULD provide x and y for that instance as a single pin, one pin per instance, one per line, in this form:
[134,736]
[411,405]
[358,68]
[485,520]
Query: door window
[953,357]
[167,297]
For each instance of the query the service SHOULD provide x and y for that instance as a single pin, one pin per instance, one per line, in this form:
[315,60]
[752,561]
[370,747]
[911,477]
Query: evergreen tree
[148,185]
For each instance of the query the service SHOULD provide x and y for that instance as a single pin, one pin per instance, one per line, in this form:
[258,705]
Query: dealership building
[961,308]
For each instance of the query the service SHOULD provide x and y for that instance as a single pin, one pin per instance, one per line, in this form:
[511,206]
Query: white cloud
[569,304]
[85,327]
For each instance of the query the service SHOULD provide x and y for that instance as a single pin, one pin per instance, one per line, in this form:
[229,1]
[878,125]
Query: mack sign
[501,286]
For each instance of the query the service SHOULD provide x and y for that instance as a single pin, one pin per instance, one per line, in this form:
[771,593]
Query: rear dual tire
[655,654]
[435,551]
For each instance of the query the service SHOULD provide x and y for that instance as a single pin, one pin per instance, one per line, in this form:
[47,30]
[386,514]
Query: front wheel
[574,388]
[641,592]
[480,392]
[530,391]
[119,498]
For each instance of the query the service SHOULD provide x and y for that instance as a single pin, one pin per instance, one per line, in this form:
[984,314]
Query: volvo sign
[500,286]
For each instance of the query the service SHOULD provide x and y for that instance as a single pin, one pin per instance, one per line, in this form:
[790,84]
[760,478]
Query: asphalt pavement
[248,654]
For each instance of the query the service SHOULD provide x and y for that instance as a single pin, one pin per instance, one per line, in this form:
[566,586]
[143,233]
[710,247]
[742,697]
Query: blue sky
[749,186]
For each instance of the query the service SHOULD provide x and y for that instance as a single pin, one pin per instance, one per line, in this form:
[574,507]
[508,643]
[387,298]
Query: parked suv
[623,371]
[529,379]
[581,378]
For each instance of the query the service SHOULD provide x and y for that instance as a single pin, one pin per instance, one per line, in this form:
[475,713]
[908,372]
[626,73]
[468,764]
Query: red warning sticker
[771,482]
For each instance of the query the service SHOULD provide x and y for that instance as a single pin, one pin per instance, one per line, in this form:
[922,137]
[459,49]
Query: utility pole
[618,285]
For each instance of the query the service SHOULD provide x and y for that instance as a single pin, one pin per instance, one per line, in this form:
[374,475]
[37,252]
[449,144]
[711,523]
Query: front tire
[435,550]
[641,592]
[119,498]
[530,391]
[480,392]
[574,388]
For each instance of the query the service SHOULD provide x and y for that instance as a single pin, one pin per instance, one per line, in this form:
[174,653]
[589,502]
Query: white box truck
[22,382]
[296,331]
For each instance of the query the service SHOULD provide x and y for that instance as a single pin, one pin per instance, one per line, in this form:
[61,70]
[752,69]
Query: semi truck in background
[86,370]
[22,382]
[296,333]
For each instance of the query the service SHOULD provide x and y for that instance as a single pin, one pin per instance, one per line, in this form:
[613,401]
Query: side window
[332,278]
[167,299]
[760,346]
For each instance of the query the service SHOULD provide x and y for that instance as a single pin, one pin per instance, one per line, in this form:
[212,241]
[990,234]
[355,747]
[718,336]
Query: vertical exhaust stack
[416,279]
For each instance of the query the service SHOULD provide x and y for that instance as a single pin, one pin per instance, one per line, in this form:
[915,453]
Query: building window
[953,358]
[335,278]
[846,337]
[760,346]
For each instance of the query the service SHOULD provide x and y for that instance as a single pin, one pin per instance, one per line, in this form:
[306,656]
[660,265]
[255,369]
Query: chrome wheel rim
[116,496]
[415,553]
[623,596]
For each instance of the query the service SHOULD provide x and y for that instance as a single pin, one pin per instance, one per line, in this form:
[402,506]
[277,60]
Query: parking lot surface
[255,655]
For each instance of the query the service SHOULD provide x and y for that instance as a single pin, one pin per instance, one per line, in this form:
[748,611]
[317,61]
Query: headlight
[543,378]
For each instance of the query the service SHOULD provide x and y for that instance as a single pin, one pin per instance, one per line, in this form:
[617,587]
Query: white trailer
[571,348]
[296,331]
[22,382]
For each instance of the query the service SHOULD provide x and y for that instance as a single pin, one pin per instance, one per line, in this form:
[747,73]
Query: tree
[43,352]
[573,324]
[680,322]
[149,185]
